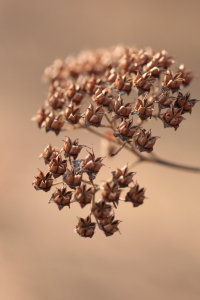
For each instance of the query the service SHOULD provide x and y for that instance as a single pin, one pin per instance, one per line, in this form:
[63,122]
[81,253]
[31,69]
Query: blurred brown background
[158,254]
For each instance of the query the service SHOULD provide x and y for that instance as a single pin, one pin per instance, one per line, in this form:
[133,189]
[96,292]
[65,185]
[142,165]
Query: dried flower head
[85,227]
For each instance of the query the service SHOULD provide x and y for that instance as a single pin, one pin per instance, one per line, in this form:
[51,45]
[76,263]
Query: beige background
[158,254]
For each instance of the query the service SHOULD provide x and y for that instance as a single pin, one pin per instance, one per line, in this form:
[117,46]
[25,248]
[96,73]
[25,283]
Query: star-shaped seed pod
[187,75]
[49,153]
[53,123]
[184,102]
[135,195]
[122,177]
[120,109]
[173,117]
[125,131]
[61,197]
[101,96]
[72,113]
[144,108]
[83,195]
[57,166]
[94,116]
[72,179]
[111,193]
[123,84]
[109,225]
[101,210]
[144,82]
[71,149]
[57,99]
[145,141]
[173,81]
[91,165]
[163,98]
[85,227]
[75,94]
[40,116]
[43,182]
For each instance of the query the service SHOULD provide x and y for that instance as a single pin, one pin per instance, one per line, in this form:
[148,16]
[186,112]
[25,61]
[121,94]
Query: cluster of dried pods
[90,89]
[72,171]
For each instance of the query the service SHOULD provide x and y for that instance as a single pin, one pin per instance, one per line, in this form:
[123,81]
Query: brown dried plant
[88,92]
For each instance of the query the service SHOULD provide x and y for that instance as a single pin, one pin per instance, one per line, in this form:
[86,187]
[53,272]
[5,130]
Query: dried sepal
[72,113]
[187,75]
[145,141]
[120,109]
[71,149]
[49,153]
[72,179]
[144,108]
[111,193]
[122,177]
[91,165]
[94,116]
[173,117]
[109,225]
[83,195]
[163,98]
[61,197]
[135,195]
[43,182]
[184,102]
[101,210]
[125,131]
[173,81]
[85,227]
[53,123]
[57,166]
[144,82]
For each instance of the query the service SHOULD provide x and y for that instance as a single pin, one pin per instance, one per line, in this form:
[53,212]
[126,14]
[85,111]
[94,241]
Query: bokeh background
[157,256]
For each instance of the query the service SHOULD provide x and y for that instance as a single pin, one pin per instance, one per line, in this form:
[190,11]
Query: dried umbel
[114,94]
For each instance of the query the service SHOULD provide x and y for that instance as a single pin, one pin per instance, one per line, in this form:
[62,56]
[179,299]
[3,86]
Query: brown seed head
[71,148]
[122,177]
[49,153]
[61,197]
[93,116]
[85,227]
[72,113]
[101,210]
[83,195]
[136,195]
[145,141]
[72,179]
[109,225]
[43,182]
[173,117]
[57,166]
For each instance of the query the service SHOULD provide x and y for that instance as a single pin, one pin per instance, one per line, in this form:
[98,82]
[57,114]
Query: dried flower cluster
[90,92]
[72,171]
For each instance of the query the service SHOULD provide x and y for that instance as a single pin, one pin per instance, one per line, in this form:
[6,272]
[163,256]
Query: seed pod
[72,179]
[125,130]
[187,75]
[71,148]
[135,195]
[122,177]
[85,227]
[43,182]
[54,123]
[184,102]
[101,210]
[109,225]
[173,117]
[145,141]
[61,197]
[111,193]
[173,81]
[143,82]
[72,113]
[57,166]
[144,108]
[83,196]
[93,116]
[49,153]
[120,109]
